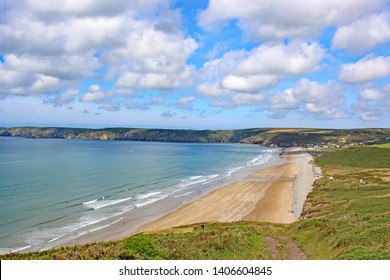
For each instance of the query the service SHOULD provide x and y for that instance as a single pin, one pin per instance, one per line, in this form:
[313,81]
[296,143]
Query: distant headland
[272,137]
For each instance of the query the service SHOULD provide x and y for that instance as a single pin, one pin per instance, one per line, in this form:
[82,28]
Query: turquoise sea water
[54,190]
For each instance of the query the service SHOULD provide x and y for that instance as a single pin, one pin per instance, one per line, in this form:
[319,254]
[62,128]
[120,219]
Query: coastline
[274,194]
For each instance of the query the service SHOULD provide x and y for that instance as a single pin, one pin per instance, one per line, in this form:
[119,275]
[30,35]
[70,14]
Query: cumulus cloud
[151,58]
[53,8]
[366,69]
[156,100]
[24,83]
[10,79]
[247,99]
[373,103]
[51,45]
[238,99]
[281,103]
[248,83]
[134,53]
[293,58]
[156,81]
[185,101]
[94,94]
[64,98]
[371,94]
[61,67]
[318,100]
[262,67]
[351,38]
[211,89]
[278,19]
[111,106]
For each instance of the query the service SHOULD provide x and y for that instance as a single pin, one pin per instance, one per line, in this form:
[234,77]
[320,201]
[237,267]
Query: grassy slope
[345,219]
[383,146]
[342,219]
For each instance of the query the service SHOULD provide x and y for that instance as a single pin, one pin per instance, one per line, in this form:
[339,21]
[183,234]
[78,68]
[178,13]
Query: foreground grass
[342,219]
[235,241]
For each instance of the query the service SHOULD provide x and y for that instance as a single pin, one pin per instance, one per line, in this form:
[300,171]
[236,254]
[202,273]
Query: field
[346,216]
[383,146]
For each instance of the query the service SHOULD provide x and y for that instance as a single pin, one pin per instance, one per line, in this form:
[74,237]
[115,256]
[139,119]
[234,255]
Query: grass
[235,241]
[363,157]
[383,146]
[342,219]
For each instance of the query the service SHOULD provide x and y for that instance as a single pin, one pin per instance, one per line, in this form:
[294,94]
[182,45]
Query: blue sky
[213,64]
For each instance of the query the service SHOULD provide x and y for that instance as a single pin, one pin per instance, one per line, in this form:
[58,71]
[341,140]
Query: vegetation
[346,216]
[383,146]
[268,137]
[364,157]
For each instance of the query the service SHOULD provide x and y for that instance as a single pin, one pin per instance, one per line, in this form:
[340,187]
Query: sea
[53,191]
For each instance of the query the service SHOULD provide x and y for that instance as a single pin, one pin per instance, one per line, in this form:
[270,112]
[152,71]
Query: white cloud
[156,81]
[318,101]
[111,106]
[366,69]
[46,84]
[151,50]
[94,94]
[264,66]
[278,19]
[71,67]
[248,83]
[238,99]
[76,8]
[185,101]
[282,59]
[75,40]
[311,91]
[28,35]
[156,100]
[151,58]
[211,89]
[373,103]
[364,34]
[11,79]
[24,83]
[283,102]
[247,98]
[371,94]
[66,97]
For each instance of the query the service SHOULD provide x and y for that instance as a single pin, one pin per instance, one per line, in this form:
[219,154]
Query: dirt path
[272,245]
[293,251]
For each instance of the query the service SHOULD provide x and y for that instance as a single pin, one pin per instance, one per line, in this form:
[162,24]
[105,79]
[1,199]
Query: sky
[217,64]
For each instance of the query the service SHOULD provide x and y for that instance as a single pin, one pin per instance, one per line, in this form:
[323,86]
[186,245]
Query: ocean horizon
[55,190]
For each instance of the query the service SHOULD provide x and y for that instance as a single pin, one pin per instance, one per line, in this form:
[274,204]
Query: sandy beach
[275,194]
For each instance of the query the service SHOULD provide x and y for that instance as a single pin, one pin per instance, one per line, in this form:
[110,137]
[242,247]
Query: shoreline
[273,194]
